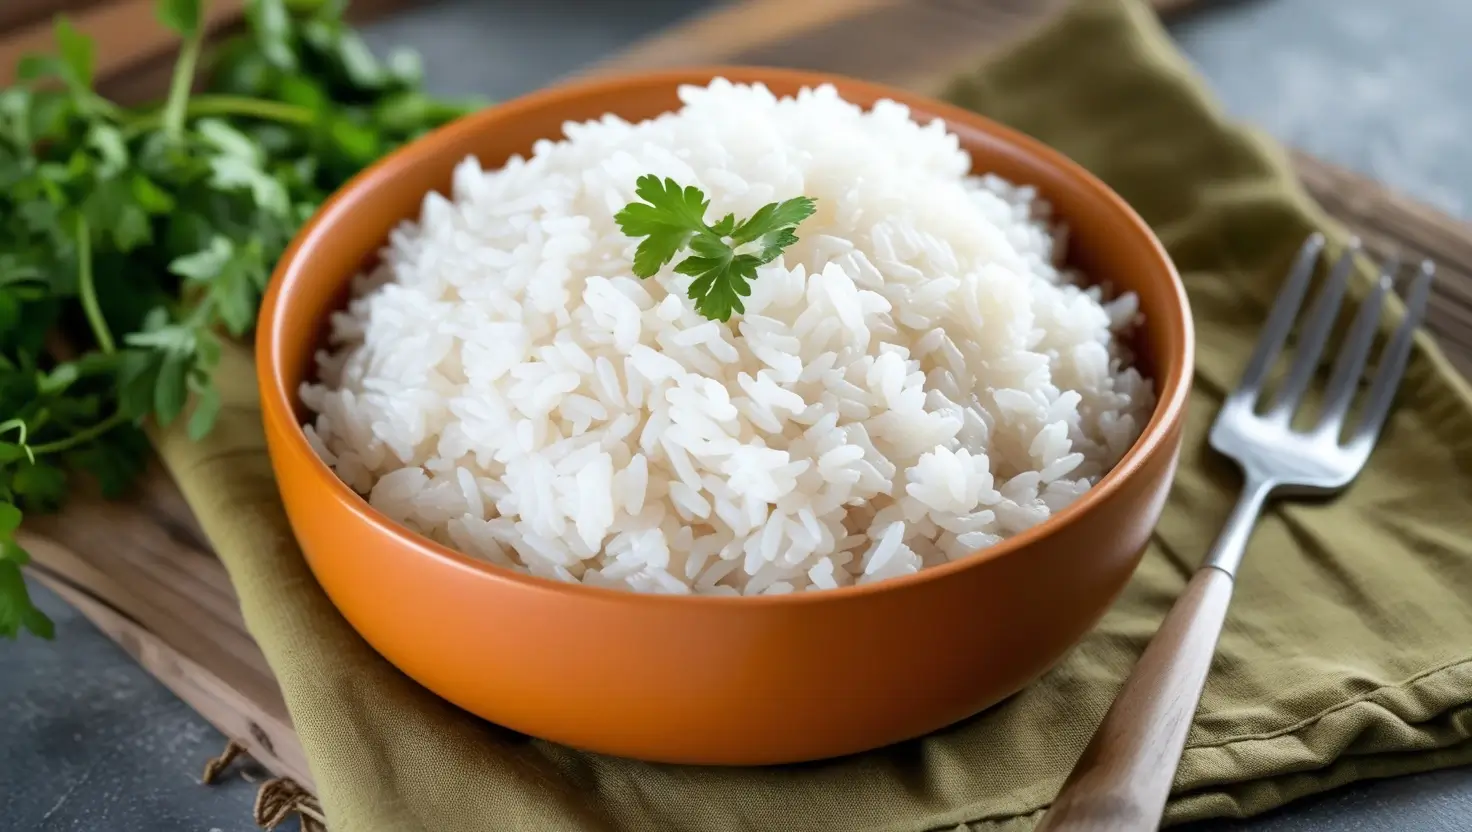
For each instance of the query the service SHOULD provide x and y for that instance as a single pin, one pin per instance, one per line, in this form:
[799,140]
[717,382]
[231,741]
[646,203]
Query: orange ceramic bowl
[716,680]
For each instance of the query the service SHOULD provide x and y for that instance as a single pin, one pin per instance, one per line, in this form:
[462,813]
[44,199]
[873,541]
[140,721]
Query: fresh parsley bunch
[724,257]
[133,240]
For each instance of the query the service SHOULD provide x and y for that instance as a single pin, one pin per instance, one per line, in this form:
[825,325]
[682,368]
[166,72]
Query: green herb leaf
[672,218]
[725,226]
[169,389]
[136,373]
[107,140]
[205,265]
[207,352]
[169,339]
[145,236]
[183,16]
[34,67]
[112,209]
[233,172]
[15,116]
[228,141]
[406,67]
[307,93]
[206,409]
[9,311]
[271,23]
[49,114]
[77,52]
[771,226]
[358,61]
[16,609]
[40,486]
[61,377]
[358,144]
[405,112]
[38,623]
[10,518]
[150,197]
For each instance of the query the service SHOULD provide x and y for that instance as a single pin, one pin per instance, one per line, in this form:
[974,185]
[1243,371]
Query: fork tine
[1280,319]
[1315,332]
[1349,366]
[1393,360]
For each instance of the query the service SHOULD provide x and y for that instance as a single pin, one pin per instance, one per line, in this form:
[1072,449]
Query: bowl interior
[1107,240]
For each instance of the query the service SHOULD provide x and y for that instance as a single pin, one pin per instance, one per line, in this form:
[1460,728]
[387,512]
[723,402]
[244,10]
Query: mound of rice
[914,380]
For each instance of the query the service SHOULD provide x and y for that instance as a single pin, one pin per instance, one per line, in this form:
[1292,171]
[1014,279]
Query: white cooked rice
[912,381]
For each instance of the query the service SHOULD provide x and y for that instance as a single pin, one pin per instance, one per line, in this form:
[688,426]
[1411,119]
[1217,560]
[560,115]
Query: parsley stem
[176,107]
[19,426]
[239,105]
[88,291]
[229,105]
[80,437]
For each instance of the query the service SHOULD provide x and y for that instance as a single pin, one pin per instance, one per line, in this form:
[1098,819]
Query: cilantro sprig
[134,240]
[672,218]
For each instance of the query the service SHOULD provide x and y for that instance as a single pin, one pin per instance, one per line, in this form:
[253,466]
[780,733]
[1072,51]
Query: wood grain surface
[15,14]
[268,738]
[1389,223]
[142,571]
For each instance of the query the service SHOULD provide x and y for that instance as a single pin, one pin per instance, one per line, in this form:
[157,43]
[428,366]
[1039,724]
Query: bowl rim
[277,401]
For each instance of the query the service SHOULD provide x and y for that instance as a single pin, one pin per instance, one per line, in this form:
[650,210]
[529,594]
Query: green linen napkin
[1348,653]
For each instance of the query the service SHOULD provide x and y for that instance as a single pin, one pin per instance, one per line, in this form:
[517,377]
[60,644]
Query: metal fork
[1121,782]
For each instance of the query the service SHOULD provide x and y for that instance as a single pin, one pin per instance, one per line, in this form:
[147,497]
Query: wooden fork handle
[1121,782]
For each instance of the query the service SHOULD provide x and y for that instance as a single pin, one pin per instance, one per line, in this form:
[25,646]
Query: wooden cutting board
[142,571]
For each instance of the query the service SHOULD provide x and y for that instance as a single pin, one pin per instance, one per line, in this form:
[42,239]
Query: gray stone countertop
[90,743]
